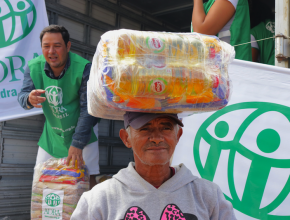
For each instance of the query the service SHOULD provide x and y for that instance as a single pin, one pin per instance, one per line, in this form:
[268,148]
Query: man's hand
[75,154]
[35,98]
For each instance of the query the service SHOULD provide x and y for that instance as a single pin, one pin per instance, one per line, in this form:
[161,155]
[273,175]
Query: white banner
[21,22]
[245,147]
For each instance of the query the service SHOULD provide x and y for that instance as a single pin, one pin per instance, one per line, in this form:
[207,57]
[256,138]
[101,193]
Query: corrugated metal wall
[18,150]
[86,20]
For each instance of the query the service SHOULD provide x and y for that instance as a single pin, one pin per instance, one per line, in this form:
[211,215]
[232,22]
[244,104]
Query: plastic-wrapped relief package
[57,189]
[158,72]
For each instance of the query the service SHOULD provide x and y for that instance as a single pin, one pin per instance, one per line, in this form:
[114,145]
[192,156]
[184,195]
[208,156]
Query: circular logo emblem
[54,95]
[17,19]
[270,26]
[245,149]
[52,200]
[156,44]
[157,86]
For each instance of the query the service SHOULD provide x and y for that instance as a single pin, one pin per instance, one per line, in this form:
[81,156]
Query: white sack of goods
[158,72]
[57,189]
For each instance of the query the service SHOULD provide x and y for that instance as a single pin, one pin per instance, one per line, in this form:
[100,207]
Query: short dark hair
[56,29]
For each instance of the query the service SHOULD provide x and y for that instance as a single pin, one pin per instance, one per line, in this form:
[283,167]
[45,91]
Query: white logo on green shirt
[270,26]
[54,97]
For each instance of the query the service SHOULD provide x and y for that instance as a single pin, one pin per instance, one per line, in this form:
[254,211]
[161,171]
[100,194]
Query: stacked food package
[158,72]
[57,189]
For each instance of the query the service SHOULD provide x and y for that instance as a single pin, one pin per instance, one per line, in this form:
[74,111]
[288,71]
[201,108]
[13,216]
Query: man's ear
[68,46]
[179,133]
[124,137]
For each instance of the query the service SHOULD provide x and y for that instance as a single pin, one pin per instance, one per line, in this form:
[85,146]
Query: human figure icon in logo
[54,95]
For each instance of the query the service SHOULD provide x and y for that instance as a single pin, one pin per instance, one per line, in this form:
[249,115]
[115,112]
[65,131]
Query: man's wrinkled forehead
[139,119]
[162,121]
[52,38]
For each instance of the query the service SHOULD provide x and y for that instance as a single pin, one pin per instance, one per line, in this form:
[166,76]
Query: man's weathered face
[155,142]
[54,50]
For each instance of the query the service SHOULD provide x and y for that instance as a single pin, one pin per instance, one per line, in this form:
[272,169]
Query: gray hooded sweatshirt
[127,196]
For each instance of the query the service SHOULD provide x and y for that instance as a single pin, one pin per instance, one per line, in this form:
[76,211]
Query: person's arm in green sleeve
[255,49]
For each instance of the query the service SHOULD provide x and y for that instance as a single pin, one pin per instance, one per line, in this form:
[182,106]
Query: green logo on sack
[245,149]
[52,200]
[17,19]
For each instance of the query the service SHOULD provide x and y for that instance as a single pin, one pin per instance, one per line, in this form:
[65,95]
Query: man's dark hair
[56,29]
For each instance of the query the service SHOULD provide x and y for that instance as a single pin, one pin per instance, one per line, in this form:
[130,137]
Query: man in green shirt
[57,82]
[263,51]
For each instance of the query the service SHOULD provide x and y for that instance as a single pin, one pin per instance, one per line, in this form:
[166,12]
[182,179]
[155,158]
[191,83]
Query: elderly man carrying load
[150,188]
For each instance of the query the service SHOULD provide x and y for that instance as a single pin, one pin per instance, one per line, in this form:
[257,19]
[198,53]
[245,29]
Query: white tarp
[245,147]
[20,25]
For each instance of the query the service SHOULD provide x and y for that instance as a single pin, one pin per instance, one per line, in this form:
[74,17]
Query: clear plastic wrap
[158,72]
[57,189]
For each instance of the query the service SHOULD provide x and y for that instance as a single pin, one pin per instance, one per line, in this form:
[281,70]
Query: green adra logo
[54,95]
[245,149]
[17,19]
[52,200]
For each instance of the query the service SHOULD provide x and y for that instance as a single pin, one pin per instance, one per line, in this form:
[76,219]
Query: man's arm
[27,87]
[82,210]
[217,17]
[30,97]
[223,208]
[82,134]
[93,205]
